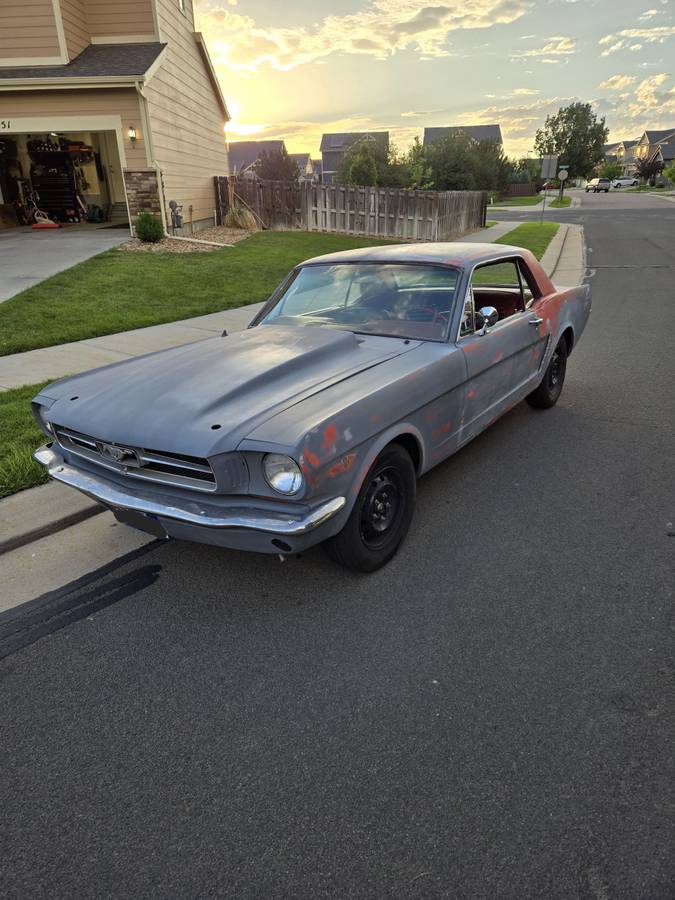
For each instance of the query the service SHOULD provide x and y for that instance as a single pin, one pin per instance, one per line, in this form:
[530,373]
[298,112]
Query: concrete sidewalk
[69,359]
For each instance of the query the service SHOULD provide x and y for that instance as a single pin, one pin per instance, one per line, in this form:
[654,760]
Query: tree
[375,150]
[611,170]
[648,167]
[525,170]
[491,167]
[362,169]
[575,135]
[670,173]
[417,175]
[451,162]
[459,163]
[276,165]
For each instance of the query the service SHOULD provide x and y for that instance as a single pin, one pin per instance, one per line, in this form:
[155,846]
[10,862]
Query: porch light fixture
[132,134]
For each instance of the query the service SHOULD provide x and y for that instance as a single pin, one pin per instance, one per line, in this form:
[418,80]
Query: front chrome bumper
[192,512]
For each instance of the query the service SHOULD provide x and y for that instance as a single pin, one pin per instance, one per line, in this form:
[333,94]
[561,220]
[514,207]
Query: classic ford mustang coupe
[362,371]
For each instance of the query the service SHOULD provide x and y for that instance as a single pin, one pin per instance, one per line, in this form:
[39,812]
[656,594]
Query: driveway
[491,715]
[28,257]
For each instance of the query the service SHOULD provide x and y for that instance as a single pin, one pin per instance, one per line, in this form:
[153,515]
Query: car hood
[204,398]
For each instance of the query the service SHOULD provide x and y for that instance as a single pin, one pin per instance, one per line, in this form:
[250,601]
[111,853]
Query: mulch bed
[219,234]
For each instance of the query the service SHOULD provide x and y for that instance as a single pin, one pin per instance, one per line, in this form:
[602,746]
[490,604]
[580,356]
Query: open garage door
[70,176]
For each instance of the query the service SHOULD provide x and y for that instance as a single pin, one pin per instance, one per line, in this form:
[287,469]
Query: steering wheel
[421,314]
[360,314]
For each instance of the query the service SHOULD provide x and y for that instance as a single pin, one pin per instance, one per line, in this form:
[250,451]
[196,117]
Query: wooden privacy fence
[344,209]
[528,189]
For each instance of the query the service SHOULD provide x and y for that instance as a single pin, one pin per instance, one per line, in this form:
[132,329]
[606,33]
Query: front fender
[345,475]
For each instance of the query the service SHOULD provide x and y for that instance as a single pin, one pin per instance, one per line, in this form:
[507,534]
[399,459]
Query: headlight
[38,413]
[282,474]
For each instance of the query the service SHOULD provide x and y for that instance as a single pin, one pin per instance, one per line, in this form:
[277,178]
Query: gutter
[55,84]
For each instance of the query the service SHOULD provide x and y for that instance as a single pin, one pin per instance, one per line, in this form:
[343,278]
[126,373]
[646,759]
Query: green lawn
[19,436]
[560,204]
[518,201]
[534,236]
[117,290]
[642,189]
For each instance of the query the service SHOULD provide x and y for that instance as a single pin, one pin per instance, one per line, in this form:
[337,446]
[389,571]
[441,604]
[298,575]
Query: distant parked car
[595,185]
[625,181]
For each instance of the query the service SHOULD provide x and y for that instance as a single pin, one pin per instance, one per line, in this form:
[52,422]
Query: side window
[499,285]
[531,290]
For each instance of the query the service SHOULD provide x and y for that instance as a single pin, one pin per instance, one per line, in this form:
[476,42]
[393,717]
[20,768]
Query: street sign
[563,174]
[549,166]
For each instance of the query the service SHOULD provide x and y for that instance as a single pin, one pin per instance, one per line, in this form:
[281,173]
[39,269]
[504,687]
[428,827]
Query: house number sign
[5,124]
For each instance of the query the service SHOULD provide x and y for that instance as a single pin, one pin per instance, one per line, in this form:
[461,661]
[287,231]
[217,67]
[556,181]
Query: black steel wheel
[546,395]
[381,515]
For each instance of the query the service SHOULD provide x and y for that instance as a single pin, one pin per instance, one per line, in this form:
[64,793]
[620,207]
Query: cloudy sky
[293,69]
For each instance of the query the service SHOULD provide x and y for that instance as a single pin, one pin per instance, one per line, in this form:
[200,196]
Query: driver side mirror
[490,317]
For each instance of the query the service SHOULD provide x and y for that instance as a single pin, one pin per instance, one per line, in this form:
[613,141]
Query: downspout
[149,150]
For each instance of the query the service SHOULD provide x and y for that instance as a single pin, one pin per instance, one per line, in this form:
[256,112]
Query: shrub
[240,217]
[149,228]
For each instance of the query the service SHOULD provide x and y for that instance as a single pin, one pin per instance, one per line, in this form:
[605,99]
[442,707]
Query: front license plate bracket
[141,522]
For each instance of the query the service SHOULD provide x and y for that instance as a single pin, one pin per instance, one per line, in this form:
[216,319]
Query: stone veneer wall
[142,192]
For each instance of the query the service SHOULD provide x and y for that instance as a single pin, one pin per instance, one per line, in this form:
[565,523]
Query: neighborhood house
[657,145]
[107,108]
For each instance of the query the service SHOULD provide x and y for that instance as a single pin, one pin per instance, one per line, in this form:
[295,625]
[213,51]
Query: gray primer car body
[329,398]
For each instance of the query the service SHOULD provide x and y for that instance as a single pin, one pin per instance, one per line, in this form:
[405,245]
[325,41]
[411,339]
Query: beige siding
[28,29]
[114,18]
[104,102]
[186,119]
[75,26]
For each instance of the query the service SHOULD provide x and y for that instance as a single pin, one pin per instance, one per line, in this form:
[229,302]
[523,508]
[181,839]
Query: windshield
[392,299]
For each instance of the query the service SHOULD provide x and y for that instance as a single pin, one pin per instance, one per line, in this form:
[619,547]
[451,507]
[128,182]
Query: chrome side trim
[110,495]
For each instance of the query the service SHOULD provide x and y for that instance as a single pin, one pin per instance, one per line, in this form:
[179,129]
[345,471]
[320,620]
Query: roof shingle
[95,61]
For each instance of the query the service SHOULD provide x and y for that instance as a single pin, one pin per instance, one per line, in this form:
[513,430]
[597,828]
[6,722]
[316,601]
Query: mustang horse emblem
[117,454]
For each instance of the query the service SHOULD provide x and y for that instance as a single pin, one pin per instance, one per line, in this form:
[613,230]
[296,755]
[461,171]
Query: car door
[502,360]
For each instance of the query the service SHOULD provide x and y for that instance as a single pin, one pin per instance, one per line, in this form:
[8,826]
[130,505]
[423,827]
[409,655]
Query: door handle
[536,321]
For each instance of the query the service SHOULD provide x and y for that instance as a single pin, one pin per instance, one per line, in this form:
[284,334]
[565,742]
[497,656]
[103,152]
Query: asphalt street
[490,716]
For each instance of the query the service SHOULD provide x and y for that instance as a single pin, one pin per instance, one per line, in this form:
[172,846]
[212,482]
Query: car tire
[607,190]
[546,395]
[381,516]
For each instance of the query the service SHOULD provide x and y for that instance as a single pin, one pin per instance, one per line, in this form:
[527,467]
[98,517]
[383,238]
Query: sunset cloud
[629,38]
[618,82]
[380,29]
[555,46]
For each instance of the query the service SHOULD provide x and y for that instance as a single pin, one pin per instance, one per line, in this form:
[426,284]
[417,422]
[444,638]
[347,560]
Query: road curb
[551,257]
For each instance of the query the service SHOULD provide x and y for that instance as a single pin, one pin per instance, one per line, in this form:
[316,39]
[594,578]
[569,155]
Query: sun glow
[243,130]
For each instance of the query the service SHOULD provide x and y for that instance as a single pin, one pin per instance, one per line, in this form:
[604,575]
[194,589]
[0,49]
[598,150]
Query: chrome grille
[134,462]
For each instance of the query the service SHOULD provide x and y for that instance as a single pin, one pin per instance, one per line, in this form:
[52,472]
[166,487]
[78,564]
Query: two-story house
[111,104]
[658,145]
